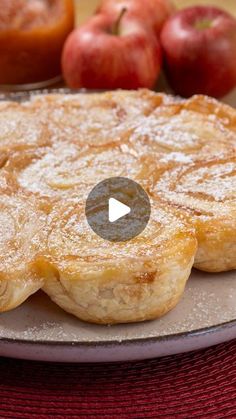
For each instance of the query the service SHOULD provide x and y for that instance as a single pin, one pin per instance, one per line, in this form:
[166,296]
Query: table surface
[196,385]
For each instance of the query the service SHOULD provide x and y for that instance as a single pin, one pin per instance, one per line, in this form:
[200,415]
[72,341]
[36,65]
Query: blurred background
[85,8]
[41,54]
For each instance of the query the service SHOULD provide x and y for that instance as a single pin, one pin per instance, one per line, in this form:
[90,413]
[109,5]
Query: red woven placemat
[198,384]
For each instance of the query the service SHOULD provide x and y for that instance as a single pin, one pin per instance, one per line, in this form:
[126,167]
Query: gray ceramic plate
[206,316]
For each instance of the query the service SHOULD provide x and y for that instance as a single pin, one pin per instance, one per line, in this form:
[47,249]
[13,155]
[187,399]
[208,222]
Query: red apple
[107,53]
[199,45]
[153,12]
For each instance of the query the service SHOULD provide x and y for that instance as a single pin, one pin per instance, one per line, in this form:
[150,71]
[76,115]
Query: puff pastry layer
[104,282]
[22,235]
[205,192]
[55,148]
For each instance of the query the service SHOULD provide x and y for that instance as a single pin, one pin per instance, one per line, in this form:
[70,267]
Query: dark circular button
[118,209]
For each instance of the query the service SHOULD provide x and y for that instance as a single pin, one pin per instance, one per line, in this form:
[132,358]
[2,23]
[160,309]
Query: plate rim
[127,342]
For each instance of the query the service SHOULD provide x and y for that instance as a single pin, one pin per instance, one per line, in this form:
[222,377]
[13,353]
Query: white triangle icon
[116,210]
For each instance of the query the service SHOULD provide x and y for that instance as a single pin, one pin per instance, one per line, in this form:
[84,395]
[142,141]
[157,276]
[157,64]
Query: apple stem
[116,26]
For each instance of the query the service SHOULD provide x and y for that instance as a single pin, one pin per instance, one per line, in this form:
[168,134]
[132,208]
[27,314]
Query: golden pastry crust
[21,128]
[96,119]
[205,192]
[103,282]
[141,120]
[144,121]
[195,127]
[141,289]
[22,229]
[68,171]
[218,111]
[55,148]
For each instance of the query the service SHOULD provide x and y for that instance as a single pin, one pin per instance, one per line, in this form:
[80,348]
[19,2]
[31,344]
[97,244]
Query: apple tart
[54,149]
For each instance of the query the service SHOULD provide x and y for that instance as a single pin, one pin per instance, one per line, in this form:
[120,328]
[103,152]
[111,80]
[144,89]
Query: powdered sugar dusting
[209,187]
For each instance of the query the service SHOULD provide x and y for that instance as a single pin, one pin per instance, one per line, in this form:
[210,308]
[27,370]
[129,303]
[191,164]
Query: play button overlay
[117,209]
